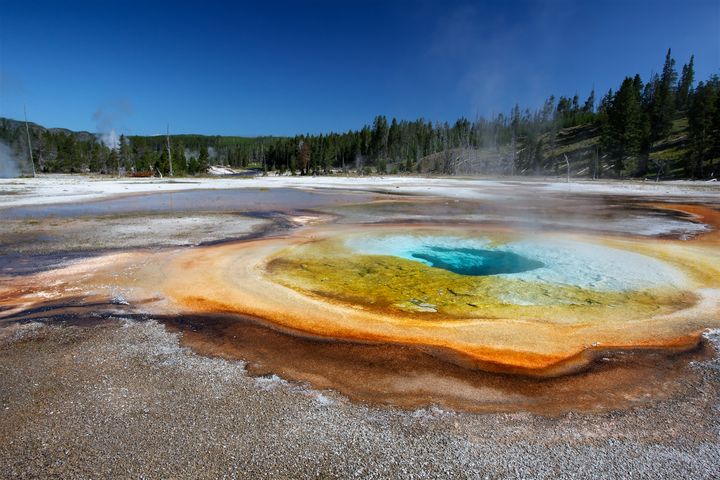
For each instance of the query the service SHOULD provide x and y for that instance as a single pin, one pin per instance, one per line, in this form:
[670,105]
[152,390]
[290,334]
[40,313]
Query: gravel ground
[124,400]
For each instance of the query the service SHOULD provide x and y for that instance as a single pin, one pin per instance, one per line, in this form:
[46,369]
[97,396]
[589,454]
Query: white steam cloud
[110,139]
[9,164]
[108,118]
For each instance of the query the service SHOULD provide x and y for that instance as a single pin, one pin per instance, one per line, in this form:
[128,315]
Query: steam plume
[9,164]
[107,118]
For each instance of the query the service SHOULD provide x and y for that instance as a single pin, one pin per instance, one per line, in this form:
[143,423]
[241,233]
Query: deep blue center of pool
[475,261]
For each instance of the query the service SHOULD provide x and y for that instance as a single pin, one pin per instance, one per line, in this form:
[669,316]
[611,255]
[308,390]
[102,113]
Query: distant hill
[68,151]
[11,129]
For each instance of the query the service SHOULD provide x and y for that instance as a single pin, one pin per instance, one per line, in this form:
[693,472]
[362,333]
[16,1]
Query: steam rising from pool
[9,164]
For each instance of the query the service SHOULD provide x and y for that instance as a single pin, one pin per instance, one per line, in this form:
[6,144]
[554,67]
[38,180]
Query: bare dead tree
[567,163]
[596,155]
[27,131]
[262,157]
[660,165]
[167,137]
[513,159]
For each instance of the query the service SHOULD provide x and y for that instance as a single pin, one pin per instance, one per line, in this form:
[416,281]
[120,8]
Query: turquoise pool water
[532,259]
[475,261]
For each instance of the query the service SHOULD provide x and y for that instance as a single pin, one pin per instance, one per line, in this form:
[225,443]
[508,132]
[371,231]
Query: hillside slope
[581,145]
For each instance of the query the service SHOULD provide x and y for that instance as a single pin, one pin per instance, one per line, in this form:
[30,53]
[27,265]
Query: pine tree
[163,163]
[113,160]
[589,106]
[663,102]
[624,134]
[203,161]
[393,139]
[685,85]
[180,165]
[715,128]
[124,159]
[303,157]
[379,141]
[515,120]
[702,118]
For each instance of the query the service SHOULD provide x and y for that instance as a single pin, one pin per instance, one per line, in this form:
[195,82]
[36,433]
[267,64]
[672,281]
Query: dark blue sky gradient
[295,67]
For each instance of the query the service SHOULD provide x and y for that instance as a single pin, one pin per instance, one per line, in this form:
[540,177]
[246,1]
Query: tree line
[667,126]
[639,118]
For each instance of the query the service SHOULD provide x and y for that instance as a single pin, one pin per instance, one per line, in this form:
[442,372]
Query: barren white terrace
[47,189]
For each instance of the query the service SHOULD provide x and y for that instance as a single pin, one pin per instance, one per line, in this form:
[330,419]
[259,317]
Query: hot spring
[550,260]
[472,261]
[482,274]
[475,261]
[408,307]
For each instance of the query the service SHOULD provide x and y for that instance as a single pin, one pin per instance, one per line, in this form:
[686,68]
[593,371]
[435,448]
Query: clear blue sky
[295,67]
